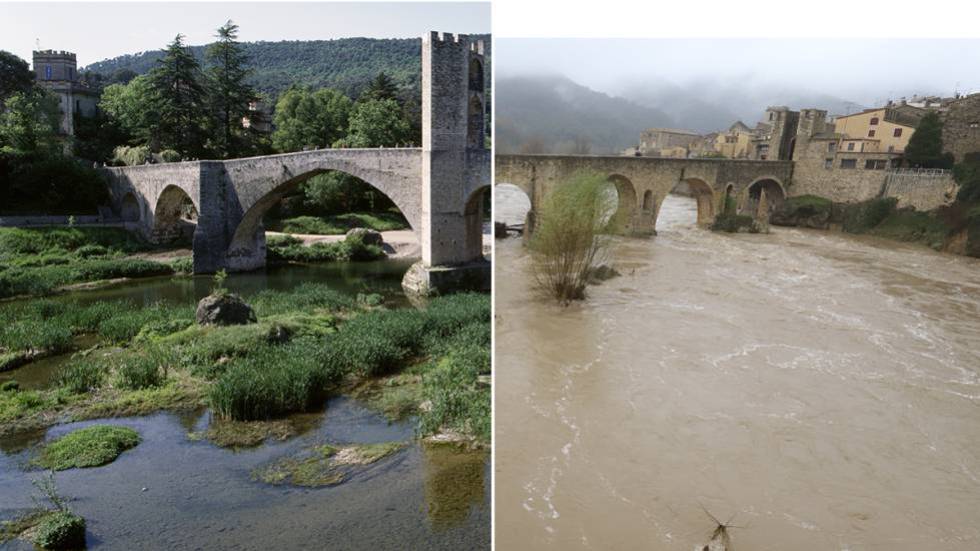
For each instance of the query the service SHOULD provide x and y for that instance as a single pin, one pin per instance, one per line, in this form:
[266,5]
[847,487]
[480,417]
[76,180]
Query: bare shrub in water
[567,243]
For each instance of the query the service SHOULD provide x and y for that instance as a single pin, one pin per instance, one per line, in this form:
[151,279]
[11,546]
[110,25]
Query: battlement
[54,54]
[454,40]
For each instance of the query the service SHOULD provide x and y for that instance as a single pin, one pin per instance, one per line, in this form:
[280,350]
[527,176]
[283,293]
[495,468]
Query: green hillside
[347,64]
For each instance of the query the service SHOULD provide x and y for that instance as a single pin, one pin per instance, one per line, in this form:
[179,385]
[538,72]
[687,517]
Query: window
[874,121]
[831,146]
[772,116]
[871,133]
[975,125]
[47,72]
[848,163]
[850,146]
[891,149]
[828,163]
[875,164]
[898,133]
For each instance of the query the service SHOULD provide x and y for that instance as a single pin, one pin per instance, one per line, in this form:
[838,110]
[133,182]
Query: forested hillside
[346,64]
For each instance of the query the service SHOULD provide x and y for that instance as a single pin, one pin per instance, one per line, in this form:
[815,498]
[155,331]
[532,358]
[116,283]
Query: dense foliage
[925,147]
[347,64]
[40,182]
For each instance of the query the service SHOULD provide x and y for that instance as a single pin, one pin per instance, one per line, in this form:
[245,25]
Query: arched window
[647,200]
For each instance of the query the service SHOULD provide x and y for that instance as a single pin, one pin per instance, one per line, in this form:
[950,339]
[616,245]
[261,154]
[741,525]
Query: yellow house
[890,127]
[734,144]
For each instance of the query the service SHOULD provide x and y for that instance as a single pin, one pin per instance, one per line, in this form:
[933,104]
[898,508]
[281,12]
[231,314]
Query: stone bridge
[642,183]
[438,187]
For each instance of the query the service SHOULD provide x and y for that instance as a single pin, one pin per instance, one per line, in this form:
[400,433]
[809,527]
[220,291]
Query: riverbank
[953,229]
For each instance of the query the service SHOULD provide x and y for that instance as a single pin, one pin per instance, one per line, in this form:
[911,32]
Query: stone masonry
[438,187]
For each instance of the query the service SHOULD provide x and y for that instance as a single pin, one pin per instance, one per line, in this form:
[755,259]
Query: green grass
[733,223]
[60,530]
[342,223]
[37,261]
[913,226]
[88,447]
[290,249]
[806,205]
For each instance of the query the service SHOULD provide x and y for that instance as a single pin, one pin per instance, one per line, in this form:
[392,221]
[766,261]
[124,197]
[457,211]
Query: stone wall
[961,127]
[921,189]
[811,175]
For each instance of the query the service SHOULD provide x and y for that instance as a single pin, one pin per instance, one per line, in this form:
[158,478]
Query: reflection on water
[820,388]
[455,482]
[173,492]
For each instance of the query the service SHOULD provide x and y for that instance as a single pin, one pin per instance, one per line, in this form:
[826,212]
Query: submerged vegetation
[92,446]
[307,343]
[325,465]
[566,243]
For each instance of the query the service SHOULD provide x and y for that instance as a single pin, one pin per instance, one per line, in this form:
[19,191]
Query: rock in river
[224,309]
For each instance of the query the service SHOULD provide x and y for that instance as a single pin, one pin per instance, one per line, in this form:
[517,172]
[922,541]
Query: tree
[381,88]
[179,101]
[131,107]
[30,121]
[377,123]
[925,147]
[228,91]
[15,75]
[310,119]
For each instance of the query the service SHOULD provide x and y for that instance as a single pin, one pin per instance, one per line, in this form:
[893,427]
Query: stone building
[57,72]
[259,117]
[890,126]
[736,142]
[775,139]
[656,142]
[961,126]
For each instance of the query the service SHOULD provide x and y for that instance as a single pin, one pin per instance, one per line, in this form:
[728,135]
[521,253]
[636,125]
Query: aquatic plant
[91,446]
[61,530]
[82,375]
[566,242]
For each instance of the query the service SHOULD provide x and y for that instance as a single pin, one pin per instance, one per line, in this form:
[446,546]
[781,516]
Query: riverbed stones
[368,236]
[224,309]
[601,273]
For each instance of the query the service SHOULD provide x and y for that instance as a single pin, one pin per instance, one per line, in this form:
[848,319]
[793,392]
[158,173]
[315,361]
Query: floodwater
[815,390]
[172,492]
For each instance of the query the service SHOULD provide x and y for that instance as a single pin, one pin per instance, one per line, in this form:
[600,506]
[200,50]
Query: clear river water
[816,390]
[172,492]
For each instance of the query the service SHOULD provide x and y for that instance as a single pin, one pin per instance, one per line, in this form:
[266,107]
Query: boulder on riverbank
[804,211]
[602,272]
[224,309]
[367,236]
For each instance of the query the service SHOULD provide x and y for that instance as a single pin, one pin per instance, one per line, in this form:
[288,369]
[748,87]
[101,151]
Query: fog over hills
[552,113]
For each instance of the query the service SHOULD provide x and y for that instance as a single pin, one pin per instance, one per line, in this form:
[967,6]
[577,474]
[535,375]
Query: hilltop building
[961,126]
[57,71]
[879,129]
[736,142]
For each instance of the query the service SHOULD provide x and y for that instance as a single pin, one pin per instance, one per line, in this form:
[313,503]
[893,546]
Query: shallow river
[171,492]
[816,390]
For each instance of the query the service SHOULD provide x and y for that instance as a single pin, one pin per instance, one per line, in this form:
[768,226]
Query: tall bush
[566,243]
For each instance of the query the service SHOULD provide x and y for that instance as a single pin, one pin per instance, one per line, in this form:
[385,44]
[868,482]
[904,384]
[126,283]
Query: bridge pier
[455,168]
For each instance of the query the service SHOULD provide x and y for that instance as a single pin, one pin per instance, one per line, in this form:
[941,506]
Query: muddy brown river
[817,390]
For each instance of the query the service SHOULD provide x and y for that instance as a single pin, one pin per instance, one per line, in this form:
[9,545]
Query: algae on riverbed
[324,465]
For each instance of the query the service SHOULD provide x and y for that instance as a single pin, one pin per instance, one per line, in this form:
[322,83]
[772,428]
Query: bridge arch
[247,246]
[129,208]
[174,215]
[473,220]
[626,202]
[512,203]
[775,194]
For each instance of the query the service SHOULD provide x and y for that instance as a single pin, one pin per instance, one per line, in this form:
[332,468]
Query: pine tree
[381,88]
[179,100]
[229,93]
[925,147]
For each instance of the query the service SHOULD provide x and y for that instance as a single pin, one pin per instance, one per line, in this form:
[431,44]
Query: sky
[97,31]
[866,71]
